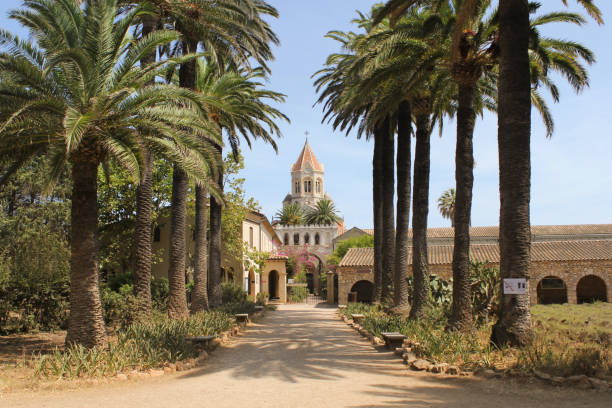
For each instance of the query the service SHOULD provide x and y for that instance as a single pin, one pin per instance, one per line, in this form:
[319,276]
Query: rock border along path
[304,356]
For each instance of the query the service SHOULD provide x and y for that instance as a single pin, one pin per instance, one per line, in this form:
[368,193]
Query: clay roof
[537,230]
[307,157]
[277,258]
[540,252]
[358,257]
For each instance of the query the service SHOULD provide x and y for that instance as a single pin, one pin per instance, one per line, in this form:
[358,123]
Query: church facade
[308,241]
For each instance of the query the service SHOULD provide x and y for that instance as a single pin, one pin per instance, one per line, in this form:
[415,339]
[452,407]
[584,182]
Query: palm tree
[249,114]
[349,104]
[410,48]
[81,98]
[446,205]
[291,214]
[334,84]
[253,37]
[514,133]
[238,36]
[324,213]
[473,53]
[144,200]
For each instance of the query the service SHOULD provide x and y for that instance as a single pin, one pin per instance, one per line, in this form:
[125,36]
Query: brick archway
[591,288]
[364,290]
[551,290]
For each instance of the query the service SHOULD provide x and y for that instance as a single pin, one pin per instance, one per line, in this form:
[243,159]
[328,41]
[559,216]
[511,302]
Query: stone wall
[348,276]
[571,272]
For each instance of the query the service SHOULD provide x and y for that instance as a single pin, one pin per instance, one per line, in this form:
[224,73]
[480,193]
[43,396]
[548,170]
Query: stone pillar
[282,287]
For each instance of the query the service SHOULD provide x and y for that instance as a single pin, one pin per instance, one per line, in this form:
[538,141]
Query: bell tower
[307,179]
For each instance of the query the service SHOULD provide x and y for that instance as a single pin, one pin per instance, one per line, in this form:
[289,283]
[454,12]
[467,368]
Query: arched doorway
[364,290]
[273,285]
[552,290]
[251,290]
[591,289]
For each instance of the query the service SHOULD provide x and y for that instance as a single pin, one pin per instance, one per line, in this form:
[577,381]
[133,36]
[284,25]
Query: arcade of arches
[580,281]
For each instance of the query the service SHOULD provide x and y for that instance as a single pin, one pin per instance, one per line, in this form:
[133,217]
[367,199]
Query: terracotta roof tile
[537,230]
[358,257]
[307,157]
[277,258]
[540,251]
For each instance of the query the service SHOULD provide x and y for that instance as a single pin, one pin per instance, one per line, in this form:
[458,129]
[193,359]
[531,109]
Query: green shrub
[262,298]
[120,308]
[159,294]
[237,307]
[34,305]
[297,294]
[232,293]
[116,281]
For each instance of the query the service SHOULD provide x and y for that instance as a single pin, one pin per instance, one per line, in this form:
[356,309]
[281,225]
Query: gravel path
[304,356]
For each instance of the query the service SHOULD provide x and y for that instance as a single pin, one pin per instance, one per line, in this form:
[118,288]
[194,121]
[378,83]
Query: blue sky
[571,173]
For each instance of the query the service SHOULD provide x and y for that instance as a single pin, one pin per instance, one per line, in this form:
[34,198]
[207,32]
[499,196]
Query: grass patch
[568,339]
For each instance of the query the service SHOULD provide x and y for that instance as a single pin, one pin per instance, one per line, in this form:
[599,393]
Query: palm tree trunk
[199,296]
[378,214]
[177,296]
[86,324]
[420,261]
[142,271]
[144,199]
[514,117]
[388,191]
[404,187]
[214,259]
[461,318]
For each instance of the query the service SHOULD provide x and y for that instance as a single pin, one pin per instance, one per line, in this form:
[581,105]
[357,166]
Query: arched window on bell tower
[297,187]
[308,186]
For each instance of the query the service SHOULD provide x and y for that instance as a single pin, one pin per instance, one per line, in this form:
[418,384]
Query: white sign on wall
[515,286]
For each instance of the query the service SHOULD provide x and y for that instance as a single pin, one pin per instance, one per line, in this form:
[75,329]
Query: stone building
[569,263]
[307,189]
[257,234]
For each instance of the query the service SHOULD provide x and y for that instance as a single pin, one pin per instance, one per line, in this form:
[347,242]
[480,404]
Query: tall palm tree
[245,110]
[81,99]
[446,205]
[232,33]
[460,57]
[376,111]
[252,37]
[333,82]
[514,134]
[416,53]
[144,201]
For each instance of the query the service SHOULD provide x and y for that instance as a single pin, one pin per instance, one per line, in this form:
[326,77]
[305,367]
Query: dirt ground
[303,356]
[14,348]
